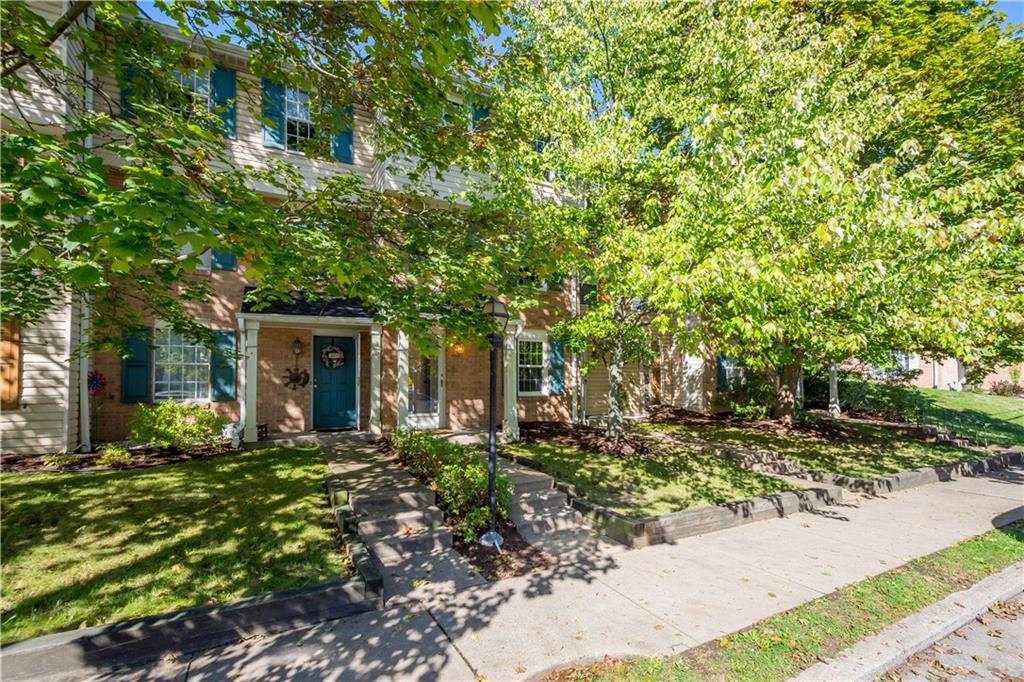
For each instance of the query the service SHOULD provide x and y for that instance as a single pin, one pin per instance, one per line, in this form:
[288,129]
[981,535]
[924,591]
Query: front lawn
[848,448]
[978,416]
[669,479]
[779,647]
[86,549]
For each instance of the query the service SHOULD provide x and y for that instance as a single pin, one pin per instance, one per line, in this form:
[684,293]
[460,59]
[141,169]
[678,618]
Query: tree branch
[75,11]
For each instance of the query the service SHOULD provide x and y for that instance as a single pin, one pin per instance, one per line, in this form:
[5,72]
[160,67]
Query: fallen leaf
[579,635]
[978,659]
[659,626]
[995,633]
[744,580]
[772,595]
[520,670]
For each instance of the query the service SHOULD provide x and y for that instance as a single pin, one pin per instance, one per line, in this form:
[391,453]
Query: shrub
[888,400]
[1006,388]
[176,425]
[114,457]
[58,460]
[752,399]
[458,475]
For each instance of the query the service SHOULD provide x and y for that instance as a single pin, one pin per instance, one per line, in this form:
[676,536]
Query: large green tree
[131,247]
[812,222]
[572,83]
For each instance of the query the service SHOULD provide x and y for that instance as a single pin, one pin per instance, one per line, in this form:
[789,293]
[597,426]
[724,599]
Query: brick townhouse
[305,364]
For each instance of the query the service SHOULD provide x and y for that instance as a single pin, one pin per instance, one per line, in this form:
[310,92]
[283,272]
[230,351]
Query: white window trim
[309,98]
[157,326]
[542,337]
[180,76]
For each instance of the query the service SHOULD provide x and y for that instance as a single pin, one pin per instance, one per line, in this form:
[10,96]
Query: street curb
[876,655]
[91,650]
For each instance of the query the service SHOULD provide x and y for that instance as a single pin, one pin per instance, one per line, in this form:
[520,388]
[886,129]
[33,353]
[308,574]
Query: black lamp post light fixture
[499,312]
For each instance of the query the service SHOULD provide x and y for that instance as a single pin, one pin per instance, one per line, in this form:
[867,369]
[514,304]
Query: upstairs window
[298,119]
[181,368]
[197,84]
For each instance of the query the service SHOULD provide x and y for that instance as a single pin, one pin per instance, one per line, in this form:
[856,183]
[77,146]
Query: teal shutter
[223,260]
[223,366]
[721,365]
[135,368]
[273,112]
[341,144]
[127,92]
[224,93]
[479,114]
[556,378]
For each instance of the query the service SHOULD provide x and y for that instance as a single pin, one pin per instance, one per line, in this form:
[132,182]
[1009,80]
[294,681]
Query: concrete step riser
[528,505]
[381,506]
[546,525]
[430,517]
[533,486]
[394,549]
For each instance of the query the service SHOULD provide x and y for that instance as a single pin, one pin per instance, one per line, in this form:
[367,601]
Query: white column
[375,398]
[833,392]
[510,422]
[250,366]
[403,379]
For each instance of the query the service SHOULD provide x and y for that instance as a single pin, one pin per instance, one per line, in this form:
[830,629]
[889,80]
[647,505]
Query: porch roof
[300,304]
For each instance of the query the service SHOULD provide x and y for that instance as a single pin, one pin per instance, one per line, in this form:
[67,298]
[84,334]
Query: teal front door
[334,382]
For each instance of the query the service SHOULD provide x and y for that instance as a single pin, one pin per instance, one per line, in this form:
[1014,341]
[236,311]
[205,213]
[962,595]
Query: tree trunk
[833,392]
[786,394]
[615,392]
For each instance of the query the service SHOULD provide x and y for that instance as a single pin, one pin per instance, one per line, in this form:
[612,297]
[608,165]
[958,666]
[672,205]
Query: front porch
[329,366]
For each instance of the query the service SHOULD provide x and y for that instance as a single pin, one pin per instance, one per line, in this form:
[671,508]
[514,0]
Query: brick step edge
[133,642]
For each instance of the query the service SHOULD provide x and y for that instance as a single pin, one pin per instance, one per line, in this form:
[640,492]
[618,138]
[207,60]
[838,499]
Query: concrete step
[571,543]
[524,482]
[383,502]
[391,524]
[541,501]
[549,521]
[398,546]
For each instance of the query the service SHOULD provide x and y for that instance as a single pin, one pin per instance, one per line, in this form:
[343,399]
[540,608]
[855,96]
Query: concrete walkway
[658,600]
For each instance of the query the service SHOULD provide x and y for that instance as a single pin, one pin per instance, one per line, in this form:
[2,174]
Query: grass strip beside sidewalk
[784,644]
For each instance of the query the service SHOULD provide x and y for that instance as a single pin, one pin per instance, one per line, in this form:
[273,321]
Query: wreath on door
[332,357]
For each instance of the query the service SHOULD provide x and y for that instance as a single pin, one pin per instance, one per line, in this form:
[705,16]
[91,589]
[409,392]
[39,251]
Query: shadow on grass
[87,549]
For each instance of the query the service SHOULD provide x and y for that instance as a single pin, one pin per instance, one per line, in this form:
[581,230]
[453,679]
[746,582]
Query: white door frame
[420,421]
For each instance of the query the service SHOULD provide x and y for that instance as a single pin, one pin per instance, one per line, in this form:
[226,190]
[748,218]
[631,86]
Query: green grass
[86,549]
[859,450]
[671,480]
[783,645]
[978,416]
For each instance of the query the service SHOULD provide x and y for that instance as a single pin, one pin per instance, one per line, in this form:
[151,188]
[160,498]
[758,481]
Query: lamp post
[499,312]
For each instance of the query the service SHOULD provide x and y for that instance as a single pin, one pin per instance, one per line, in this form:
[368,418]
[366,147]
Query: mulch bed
[825,427]
[516,558]
[586,438]
[85,462]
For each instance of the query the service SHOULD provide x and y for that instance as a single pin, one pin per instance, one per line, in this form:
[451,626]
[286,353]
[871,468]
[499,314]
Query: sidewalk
[657,600]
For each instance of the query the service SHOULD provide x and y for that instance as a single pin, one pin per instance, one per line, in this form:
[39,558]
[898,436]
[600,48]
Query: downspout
[85,408]
[85,418]
[574,308]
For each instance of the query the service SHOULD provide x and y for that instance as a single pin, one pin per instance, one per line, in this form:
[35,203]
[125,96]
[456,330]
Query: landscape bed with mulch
[848,447]
[517,557]
[85,462]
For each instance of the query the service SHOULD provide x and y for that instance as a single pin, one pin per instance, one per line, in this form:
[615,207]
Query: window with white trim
[198,84]
[298,119]
[181,368]
[531,365]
